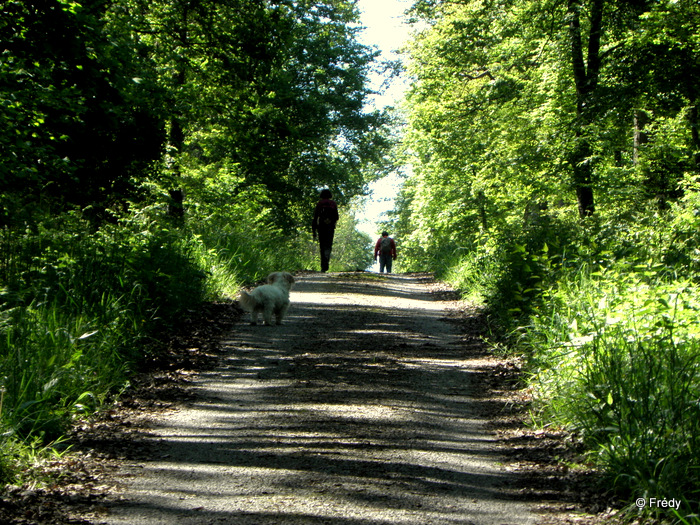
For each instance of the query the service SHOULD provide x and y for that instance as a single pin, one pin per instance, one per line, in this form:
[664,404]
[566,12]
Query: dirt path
[360,409]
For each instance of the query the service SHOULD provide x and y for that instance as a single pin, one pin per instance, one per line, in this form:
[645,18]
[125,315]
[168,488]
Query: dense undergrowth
[606,314]
[80,304]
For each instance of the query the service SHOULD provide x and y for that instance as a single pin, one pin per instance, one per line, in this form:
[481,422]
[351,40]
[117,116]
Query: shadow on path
[360,409]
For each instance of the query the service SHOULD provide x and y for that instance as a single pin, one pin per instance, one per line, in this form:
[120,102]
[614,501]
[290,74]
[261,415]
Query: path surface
[357,411]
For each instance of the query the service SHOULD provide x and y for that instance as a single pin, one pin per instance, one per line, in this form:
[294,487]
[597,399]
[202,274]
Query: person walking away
[385,249]
[323,226]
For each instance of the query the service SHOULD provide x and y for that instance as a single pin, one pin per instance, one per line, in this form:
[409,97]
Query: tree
[78,123]
[658,64]
[481,134]
[272,90]
[586,76]
[517,104]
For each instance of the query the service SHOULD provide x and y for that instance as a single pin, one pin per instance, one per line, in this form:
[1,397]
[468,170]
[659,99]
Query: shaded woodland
[555,163]
[155,155]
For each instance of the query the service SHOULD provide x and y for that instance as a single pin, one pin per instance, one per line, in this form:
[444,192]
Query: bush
[606,315]
[618,361]
[73,321]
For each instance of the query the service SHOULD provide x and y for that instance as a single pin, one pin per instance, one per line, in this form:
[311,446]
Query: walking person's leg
[325,256]
[325,243]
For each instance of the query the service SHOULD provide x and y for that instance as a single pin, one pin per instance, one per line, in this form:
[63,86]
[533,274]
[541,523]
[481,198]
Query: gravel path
[357,411]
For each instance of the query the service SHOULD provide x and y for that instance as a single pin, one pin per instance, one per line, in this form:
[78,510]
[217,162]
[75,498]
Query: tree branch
[486,73]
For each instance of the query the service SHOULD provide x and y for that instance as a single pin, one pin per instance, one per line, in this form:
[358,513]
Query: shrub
[606,312]
[617,360]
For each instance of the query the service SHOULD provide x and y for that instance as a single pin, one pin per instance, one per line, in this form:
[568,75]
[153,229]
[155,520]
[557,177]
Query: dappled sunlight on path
[358,410]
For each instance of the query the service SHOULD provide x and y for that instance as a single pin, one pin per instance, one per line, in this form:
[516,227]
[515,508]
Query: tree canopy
[101,97]
[520,104]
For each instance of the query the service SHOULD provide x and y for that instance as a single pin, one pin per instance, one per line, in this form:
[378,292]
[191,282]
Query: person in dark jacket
[323,226]
[385,249]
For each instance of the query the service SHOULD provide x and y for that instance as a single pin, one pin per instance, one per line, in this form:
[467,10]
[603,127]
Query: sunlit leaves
[482,115]
[495,109]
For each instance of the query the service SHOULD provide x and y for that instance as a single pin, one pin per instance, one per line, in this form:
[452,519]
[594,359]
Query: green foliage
[75,313]
[616,355]
[352,249]
[98,98]
[509,123]
[497,123]
[77,125]
[272,93]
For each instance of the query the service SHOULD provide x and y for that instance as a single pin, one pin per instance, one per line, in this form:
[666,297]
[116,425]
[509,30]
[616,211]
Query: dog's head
[285,279]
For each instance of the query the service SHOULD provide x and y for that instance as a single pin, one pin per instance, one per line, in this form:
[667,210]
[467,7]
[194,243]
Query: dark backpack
[385,246]
[327,215]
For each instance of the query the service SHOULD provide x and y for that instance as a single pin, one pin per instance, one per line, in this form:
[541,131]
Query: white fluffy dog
[269,298]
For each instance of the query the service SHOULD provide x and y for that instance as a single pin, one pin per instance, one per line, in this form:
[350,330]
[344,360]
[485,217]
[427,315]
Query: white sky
[385,29]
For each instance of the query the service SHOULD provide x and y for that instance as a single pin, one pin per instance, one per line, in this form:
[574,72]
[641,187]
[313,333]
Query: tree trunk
[586,81]
[176,140]
[640,137]
[481,203]
[583,177]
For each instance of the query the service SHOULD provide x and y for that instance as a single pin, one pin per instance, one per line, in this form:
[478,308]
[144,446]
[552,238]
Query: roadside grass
[80,304]
[606,317]
[615,358]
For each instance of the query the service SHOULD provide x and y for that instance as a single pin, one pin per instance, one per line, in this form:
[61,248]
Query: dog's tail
[247,301]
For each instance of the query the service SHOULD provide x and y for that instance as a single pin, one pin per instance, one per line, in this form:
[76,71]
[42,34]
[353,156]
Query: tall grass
[74,321]
[607,315]
[56,363]
[616,357]
[78,305]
